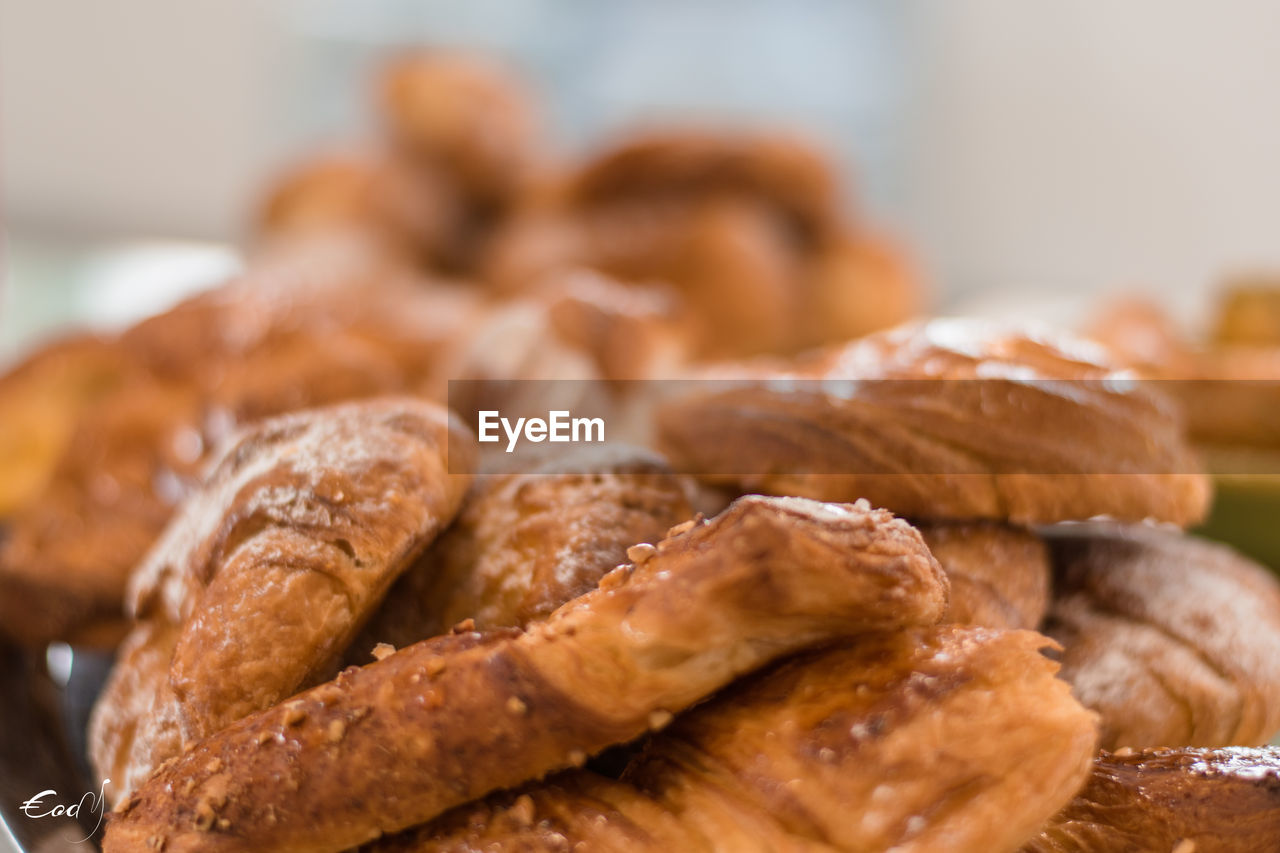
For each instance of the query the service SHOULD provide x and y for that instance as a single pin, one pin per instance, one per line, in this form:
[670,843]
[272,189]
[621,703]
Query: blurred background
[1031,156]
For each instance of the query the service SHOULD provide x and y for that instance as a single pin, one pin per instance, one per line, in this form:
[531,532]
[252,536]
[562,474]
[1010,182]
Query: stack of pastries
[924,589]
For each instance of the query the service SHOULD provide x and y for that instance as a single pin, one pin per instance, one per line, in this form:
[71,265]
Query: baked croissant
[265,575]
[442,722]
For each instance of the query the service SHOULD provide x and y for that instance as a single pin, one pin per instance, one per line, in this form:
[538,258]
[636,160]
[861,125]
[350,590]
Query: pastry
[1170,638]
[265,575]
[527,542]
[1223,800]
[945,419]
[467,714]
[999,574]
[748,230]
[881,742]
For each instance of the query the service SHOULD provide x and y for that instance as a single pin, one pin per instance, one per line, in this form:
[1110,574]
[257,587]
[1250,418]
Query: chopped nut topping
[383,650]
[294,714]
[336,730]
[223,823]
[682,527]
[204,816]
[660,719]
[522,811]
[615,578]
[263,737]
[516,705]
[466,626]
[1123,752]
[1186,845]
[434,666]
[642,553]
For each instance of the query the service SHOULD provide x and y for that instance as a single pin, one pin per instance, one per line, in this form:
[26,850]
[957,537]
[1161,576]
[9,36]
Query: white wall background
[1086,145]
[134,117]
[1041,146]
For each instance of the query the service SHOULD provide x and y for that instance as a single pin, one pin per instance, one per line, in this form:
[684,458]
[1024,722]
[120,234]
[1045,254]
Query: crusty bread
[1223,800]
[945,419]
[999,573]
[1172,639]
[439,723]
[267,572]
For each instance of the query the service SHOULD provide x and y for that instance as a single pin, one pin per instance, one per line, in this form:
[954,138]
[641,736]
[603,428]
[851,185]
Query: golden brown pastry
[999,574]
[287,336]
[860,283]
[42,397]
[945,419]
[940,738]
[691,164]
[765,578]
[66,557]
[406,212]
[527,542]
[269,571]
[748,229]
[1171,639]
[1181,800]
[468,119]
[631,332]
[1249,311]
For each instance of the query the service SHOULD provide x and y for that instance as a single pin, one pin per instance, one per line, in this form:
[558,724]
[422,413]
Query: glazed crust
[887,741]
[271,568]
[766,577]
[1203,800]
[999,574]
[526,543]
[945,424]
[1171,639]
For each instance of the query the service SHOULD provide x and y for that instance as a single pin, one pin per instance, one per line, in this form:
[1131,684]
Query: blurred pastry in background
[459,140]
[1228,385]
[748,228]
[261,345]
[1172,639]
[41,399]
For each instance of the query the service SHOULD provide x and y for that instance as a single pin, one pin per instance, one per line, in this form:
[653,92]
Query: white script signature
[36,807]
